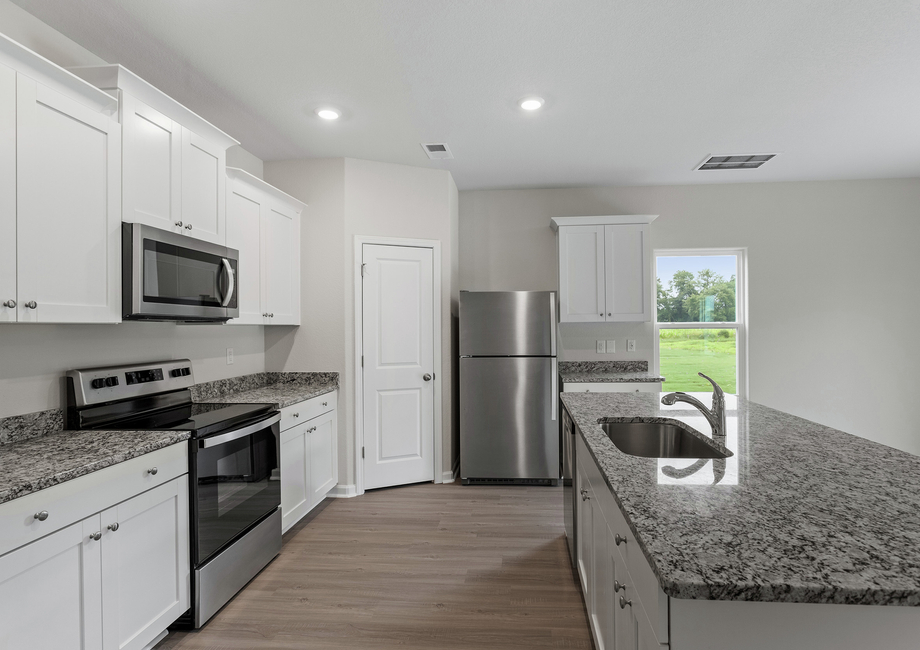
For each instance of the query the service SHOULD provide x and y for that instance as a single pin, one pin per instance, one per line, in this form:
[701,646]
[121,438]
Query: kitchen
[829,246]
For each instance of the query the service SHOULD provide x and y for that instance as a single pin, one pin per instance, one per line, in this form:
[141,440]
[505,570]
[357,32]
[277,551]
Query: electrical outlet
[611,346]
[229,356]
[601,347]
[630,345]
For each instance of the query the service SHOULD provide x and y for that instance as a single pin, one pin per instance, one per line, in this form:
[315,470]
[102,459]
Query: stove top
[200,418]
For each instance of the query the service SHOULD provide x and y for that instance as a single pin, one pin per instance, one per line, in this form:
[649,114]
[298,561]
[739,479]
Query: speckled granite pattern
[17,428]
[606,372]
[805,513]
[32,465]
[279,388]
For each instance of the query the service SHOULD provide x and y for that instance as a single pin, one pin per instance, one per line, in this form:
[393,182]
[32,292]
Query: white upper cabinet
[604,268]
[263,224]
[7,194]
[60,244]
[173,161]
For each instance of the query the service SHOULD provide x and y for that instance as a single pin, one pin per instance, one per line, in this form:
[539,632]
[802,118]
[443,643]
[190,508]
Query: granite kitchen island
[804,536]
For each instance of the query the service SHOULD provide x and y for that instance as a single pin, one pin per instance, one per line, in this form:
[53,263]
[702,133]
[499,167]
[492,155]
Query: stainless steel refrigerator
[509,430]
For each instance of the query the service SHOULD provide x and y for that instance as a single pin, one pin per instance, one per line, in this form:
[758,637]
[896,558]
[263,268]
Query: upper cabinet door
[281,264]
[7,195]
[628,276]
[68,195]
[203,188]
[581,274]
[246,207]
[151,166]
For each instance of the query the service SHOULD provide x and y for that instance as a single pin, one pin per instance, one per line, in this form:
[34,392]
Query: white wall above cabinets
[604,268]
[60,247]
[263,224]
[173,161]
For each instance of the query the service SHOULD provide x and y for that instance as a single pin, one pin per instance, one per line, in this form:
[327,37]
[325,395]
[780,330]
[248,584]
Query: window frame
[740,324]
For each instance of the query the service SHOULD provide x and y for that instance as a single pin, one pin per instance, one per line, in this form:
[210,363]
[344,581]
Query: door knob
[426,377]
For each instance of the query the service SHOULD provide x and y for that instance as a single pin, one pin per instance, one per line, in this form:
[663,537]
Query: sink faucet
[715,416]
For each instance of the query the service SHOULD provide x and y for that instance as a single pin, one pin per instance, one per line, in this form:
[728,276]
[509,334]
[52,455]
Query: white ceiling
[637,91]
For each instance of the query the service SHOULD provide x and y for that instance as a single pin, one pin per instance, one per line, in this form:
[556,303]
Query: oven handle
[204,443]
[229,270]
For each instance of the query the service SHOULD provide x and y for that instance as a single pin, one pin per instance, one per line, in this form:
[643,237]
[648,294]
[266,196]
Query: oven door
[234,484]
[168,276]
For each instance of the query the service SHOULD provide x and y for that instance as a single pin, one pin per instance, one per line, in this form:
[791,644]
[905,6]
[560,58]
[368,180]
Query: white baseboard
[451,476]
[343,491]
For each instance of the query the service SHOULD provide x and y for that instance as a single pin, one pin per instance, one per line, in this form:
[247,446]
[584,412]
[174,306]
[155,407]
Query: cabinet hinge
[362,452]
[362,360]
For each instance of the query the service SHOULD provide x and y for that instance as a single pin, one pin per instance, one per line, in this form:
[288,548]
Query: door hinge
[362,452]
[363,269]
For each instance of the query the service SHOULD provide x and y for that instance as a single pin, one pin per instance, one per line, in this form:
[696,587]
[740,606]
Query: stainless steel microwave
[171,277]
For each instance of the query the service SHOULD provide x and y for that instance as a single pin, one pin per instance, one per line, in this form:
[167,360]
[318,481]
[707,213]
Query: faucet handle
[716,389]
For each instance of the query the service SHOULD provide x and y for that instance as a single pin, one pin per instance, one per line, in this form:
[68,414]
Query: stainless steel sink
[658,440]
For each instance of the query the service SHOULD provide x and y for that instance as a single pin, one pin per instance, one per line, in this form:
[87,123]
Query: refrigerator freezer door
[507,323]
[507,429]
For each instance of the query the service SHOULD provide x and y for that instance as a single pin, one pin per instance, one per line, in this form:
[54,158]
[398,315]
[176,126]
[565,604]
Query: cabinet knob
[325,403]
[153,471]
[271,315]
[41,516]
[584,495]
[618,539]
[188,226]
[31,304]
[311,429]
[113,527]
[179,224]
[609,314]
[297,415]
[10,303]
[617,586]
[601,315]
[624,602]
[96,536]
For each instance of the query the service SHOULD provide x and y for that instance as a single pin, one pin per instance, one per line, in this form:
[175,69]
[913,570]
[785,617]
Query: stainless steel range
[234,486]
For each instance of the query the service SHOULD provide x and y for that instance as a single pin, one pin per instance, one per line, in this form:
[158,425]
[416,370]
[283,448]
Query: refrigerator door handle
[554,396]
[552,321]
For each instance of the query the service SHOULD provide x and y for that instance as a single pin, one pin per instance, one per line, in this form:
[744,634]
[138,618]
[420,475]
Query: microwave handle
[229,270]
[204,443]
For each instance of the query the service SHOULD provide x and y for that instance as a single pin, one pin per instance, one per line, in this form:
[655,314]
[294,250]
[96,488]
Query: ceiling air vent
[735,161]
[437,150]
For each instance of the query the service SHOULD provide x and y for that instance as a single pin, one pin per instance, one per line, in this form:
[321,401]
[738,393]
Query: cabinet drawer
[77,499]
[613,387]
[307,410]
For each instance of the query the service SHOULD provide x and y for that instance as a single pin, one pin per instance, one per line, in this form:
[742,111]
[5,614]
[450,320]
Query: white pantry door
[398,346]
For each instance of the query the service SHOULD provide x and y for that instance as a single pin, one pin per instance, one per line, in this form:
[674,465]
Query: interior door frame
[437,429]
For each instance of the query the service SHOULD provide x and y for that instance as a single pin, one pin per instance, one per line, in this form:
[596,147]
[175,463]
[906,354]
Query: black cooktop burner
[201,419]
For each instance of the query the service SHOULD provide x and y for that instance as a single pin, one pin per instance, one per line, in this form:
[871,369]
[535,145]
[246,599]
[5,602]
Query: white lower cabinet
[309,463]
[112,580]
[626,611]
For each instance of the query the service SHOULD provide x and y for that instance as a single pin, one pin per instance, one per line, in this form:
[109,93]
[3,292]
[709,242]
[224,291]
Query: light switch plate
[630,345]
[601,347]
[229,356]
[611,346]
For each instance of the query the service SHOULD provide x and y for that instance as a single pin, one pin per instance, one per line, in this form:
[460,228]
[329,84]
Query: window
[700,324]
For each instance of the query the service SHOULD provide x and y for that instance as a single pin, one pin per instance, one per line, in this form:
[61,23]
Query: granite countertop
[591,372]
[34,464]
[799,513]
[279,388]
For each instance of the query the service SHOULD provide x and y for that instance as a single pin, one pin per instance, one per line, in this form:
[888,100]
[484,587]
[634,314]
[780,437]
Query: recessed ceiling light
[735,161]
[531,103]
[328,113]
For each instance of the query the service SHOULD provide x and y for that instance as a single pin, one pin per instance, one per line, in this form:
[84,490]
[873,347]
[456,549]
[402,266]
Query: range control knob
[111,381]
[97,383]
[186,372]
[175,372]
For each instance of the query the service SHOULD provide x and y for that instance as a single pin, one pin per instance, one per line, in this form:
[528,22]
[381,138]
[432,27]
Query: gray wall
[832,270]
[345,198]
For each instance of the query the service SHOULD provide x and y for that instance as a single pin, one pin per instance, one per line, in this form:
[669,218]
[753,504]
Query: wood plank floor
[424,566]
